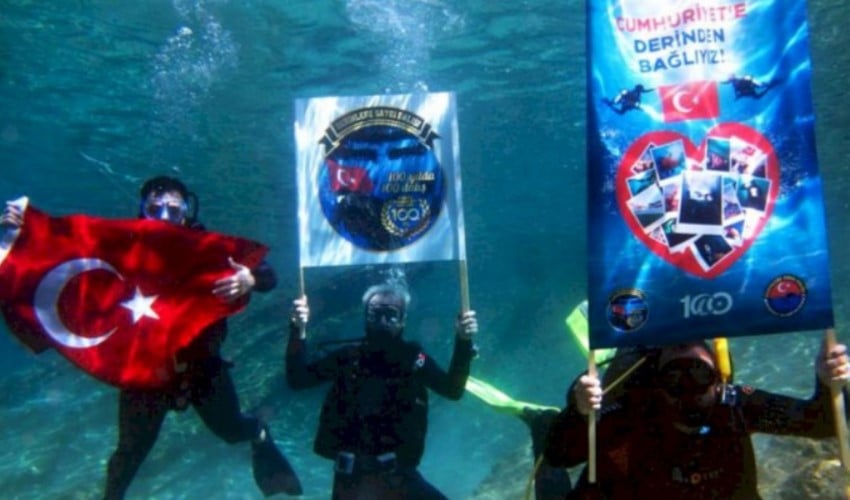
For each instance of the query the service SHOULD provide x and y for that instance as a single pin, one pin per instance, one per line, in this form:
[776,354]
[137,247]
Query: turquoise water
[97,96]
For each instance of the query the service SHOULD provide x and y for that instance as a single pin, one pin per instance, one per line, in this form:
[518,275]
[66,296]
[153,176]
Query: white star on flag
[141,306]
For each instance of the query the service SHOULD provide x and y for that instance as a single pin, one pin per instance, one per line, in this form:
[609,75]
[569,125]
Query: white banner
[378,179]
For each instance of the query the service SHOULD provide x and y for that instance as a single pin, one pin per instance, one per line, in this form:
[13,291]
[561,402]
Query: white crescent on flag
[677,101]
[47,297]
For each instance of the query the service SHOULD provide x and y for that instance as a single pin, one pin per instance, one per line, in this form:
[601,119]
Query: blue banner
[705,209]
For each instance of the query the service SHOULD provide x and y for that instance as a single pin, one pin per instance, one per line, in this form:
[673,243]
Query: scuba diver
[627,99]
[680,430]
[374,418]
[550,483]
[746,86]
[204,381]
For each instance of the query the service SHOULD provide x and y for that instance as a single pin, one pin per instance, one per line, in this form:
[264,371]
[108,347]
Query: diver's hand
[237,284]
[300,314]
[12,217]
[588,394]
[466,325]
[833,365]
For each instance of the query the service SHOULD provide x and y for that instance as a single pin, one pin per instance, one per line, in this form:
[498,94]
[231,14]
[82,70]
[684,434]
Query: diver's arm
[777,414]
[450,385]
[566,441]
[301,374]
[813,417]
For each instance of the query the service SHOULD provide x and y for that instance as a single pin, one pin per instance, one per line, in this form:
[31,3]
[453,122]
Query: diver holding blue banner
[705,202]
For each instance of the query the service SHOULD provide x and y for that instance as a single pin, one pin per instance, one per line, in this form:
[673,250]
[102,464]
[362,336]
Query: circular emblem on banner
[381,187]
[627,310]
[785,295]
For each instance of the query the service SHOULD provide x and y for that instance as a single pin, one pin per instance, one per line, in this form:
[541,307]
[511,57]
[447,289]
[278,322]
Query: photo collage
[707,208]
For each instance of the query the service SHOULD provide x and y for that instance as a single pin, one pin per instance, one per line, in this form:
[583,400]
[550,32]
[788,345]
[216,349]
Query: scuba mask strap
[194,207]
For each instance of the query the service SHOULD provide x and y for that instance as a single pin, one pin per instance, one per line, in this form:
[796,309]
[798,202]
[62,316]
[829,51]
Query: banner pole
[302,330]
[464,286]
[838,409]
[591,425]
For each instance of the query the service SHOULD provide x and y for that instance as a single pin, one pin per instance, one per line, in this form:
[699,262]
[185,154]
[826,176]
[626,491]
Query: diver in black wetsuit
[627,99]
[746,86]
[374,418]
[679,432]
[204,381]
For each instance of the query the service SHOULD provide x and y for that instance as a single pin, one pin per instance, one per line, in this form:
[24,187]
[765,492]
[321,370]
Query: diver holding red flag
[152,321]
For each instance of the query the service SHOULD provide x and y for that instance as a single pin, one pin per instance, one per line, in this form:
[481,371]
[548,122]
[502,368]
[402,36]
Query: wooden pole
[838,409]
[464,285]
[591,425]
[302,330]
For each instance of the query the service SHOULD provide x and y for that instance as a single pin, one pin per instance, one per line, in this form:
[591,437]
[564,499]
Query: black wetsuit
[205,384]
[641,455]
[374,419]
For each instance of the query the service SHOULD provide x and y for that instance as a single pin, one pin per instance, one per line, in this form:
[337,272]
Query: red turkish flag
[348,179]
[690,101]
[118,298]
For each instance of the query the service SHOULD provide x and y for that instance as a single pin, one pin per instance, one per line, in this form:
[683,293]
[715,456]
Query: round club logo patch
[785,295]
[381,186]
[627,310]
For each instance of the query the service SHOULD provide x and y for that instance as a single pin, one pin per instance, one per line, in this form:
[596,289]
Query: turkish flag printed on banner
[118,298]
[689,101]
[348,179]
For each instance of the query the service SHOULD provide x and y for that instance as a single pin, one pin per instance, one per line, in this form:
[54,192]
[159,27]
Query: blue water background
[97,96]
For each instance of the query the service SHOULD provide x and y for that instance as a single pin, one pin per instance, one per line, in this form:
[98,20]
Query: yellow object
[723,359]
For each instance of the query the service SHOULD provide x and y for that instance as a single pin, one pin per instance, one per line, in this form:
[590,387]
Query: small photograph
[670,159]
[671,189]
[753,192]
[760,169]
[734,233]
[676,241]
[648,208]
[701,209]
[710,249]
[639,182]
[717,155]
[746,158]
[644,163]
[752,219]
[732,210]
[657,234]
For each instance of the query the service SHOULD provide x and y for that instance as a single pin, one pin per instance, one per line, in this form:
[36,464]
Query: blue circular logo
[381,187]
[627,310]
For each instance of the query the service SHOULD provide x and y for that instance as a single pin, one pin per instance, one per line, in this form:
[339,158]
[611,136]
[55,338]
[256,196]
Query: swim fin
[272,471]
[578,327]
[498,399]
